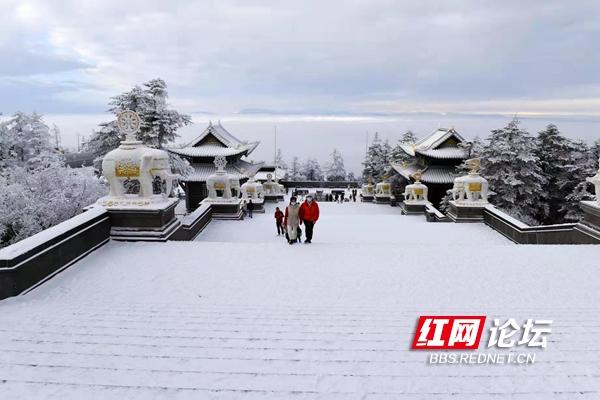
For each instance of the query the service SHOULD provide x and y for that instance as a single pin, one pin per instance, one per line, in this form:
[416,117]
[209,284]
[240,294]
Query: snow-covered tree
[159,124]
[555,153]
[351,177]
[295,170]
[335,170]
[512,168]
[377,159]
[399,155]
[583,163]
[33,200]
[311,170]
[279,161]
[25,141]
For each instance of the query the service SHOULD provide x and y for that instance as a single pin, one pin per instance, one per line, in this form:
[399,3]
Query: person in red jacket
[279,221]
[309,214]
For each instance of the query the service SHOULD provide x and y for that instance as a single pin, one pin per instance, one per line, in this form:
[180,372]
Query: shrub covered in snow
[33,200]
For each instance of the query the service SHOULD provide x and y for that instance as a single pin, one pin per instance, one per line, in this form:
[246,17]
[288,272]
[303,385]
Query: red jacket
[309,211]
[279,216]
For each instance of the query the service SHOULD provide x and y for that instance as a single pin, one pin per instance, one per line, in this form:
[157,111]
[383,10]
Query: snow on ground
[240,314]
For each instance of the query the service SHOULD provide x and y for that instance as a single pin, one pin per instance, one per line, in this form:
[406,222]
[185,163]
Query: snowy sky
[350,58]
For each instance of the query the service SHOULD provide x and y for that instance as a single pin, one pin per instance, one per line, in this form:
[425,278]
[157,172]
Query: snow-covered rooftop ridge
[213,150]
[431,173]
[30,243]
[223,135]
[436,138]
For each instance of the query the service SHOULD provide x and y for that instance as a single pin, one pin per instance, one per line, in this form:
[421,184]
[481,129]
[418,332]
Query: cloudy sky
[310,58]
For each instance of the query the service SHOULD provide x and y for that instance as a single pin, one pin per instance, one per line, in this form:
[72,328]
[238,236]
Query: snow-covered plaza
[240,314]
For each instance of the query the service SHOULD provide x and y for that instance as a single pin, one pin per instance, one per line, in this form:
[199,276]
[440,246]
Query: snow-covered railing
[519,232]
[434,215]
[194,223]
[31,261]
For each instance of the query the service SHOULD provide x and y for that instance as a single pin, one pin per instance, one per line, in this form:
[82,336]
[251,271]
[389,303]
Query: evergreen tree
[294,173]
[159,124]
[512,169]
[399,155]
[336,170]
[555,154]
[582,164]
[25,141]
[311,170]
[351,177]
[279,161]
[377,159]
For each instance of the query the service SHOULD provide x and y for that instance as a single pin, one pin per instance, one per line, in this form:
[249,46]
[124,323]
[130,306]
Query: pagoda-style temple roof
[436,174]
[216,141]
[240,170]
[441,144]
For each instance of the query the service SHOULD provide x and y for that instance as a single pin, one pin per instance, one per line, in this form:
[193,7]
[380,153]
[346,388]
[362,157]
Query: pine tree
[159,124]
[351,177]
[582,164]
[294,173]
[377,159]
[311,170]
[335,170]
[26,142]
[399,155]
[555,153]
[279,161]
[512,169]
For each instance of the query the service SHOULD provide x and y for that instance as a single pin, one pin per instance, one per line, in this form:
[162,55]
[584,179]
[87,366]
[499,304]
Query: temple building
[436,156]
[201,152]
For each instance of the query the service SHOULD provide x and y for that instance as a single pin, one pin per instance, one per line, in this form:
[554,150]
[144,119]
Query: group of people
[340,197]
[288,223]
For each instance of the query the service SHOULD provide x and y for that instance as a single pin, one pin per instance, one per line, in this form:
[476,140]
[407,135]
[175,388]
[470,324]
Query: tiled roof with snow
[240,170]
[213,150]
[429,146]
[437,174]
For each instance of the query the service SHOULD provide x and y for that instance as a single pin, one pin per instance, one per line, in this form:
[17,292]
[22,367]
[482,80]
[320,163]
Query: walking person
[291,220]
[279,221]
[250,207]
[309,214]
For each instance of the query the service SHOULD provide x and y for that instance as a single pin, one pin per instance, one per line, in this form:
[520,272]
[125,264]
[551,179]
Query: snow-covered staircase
[263,352]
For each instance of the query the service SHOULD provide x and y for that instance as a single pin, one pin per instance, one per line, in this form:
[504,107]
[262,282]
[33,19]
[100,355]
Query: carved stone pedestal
[156,222]
[466,212]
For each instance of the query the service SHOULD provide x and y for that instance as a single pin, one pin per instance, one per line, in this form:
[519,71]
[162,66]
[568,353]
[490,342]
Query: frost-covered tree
[311,170]
[556,154]
[351,177]
[279,161]
[335,170]
[583,163]
[512,168]
[159,123]
[377,159]
[295,170]
[25,141]
[33,200]
[399,155]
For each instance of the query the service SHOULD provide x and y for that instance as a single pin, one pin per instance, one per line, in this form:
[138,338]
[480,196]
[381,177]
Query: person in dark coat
[279,221]
[250,207]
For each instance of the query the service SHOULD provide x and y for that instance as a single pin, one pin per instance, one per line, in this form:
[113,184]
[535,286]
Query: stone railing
[519,232]
[194,223]
[28,263]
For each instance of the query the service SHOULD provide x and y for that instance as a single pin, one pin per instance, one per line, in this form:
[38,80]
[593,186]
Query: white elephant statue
[141,163]
[458,190]
[476,188]
[415,192]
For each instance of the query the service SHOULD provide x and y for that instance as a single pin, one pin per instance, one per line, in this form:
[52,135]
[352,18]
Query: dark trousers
[309,230]
[250,212]
[280,230]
